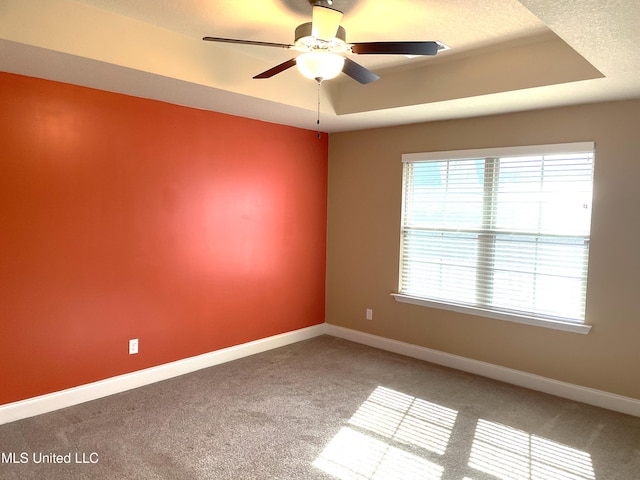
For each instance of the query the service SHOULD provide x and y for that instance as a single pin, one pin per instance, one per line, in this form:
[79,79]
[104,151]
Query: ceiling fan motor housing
[321,3]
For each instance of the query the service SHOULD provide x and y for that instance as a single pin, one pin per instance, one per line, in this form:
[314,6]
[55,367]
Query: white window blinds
[504,230]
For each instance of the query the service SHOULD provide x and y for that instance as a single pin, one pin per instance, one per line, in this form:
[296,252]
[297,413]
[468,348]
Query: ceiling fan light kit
[320,66]
[323,46]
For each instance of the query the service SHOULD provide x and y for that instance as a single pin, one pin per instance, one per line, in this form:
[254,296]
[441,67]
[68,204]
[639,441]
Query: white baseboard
[66,398]
[570,391]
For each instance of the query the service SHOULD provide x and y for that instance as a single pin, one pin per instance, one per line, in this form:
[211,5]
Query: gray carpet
[325,409]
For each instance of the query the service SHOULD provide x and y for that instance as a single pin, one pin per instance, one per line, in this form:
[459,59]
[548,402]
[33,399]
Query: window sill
[554,324]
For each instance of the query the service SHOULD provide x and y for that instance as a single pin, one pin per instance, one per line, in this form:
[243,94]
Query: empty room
[324,240]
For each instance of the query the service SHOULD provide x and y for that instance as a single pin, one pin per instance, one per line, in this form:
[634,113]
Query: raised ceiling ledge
[539,60]
[67,28]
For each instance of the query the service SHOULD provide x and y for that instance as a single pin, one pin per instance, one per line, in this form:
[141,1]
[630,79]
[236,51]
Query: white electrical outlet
[369,314]
[133,346]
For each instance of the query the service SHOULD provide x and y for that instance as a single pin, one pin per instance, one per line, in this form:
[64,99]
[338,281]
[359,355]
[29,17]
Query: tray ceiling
[505,55]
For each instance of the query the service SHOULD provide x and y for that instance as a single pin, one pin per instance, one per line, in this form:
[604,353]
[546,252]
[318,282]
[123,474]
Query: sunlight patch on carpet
[374,446]
[406,419]
[511,454]
[393,435]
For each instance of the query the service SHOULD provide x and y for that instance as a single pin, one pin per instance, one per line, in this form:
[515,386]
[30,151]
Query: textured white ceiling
[506,55]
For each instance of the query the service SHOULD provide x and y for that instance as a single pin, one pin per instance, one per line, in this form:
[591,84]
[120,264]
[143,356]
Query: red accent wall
[124,218]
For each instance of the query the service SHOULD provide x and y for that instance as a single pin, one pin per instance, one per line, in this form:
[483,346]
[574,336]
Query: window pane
[545,194]
[440,265]
[445,194]
[538,274]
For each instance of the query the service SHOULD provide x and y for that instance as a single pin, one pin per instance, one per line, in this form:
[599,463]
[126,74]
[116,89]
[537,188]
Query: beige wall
[363,245]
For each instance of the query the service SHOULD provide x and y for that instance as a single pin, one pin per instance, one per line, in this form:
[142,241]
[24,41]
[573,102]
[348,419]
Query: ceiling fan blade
[396,48]
[277,69]
[246,42]
[358,72]
[325,22]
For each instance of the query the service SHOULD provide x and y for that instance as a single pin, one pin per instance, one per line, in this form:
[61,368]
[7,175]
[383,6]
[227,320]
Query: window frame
[501,152]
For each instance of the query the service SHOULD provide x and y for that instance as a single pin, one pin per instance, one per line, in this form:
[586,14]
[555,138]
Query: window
[500,232]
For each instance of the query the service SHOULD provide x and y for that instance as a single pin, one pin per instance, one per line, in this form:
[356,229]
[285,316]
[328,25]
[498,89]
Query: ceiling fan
[323,45]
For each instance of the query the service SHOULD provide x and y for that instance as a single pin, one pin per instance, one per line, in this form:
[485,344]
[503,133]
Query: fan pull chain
[318,121]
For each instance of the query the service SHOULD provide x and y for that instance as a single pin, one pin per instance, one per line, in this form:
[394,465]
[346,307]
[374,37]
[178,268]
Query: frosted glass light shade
[320,65]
